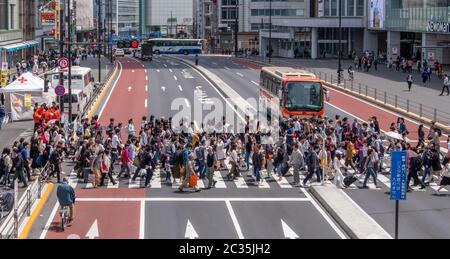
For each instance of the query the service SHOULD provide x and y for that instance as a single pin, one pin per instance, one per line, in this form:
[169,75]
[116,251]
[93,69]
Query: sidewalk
[11,131]
[384,80]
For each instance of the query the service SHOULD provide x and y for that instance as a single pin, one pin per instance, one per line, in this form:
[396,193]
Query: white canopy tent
[23,93]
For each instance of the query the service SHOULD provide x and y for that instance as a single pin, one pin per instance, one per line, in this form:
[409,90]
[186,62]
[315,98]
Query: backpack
[418,163]
[54,157]
[2,165]
[7,201]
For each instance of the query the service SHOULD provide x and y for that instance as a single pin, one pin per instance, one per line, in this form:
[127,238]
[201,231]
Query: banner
[376,14]
[48,18]
[27,100]
[3,78]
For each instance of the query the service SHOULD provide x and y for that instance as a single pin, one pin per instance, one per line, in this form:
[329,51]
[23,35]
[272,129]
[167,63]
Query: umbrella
[394,135]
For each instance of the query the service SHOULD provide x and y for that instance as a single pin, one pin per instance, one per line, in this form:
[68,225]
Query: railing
[409,105]
[9,229]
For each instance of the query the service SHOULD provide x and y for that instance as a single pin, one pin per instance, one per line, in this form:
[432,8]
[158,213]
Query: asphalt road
[239,209]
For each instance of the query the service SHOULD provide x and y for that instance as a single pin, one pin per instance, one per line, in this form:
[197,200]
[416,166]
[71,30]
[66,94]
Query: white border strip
[234,219]
[187,199]
[112,90]
[142,221]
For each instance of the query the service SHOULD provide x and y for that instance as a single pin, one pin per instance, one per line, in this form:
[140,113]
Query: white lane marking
[255,83]
[386,181]
[176,184]
[146,78]
[239,74]
[49,221]
[132,71]
[142,221]
[196,126]
[143,65]
[170,70]
[163,88]
[240,183]
[145,104]
[325,216]
[156,180]
[187,103]
[435,186]
[146,88]
[264,184]
[189,199]
[190,231]
[93,231]
[220,184]
[179,87]
[134,184]
[110,92]
[175,77]
[129,88]
[198,86]
[157,70]
[284,183]
[227,68]
[287,231]
[111,186]
[200,183]
[165,65]
[234,220]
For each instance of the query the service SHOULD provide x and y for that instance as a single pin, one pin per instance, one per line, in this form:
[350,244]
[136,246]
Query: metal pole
[236,29]
[340,45]
[16,211]
[99,46]
[396,218]
[270,31]
[69,49]
[61,49]
[110,31]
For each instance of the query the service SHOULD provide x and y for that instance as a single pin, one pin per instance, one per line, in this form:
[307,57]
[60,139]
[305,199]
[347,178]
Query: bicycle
[64,212]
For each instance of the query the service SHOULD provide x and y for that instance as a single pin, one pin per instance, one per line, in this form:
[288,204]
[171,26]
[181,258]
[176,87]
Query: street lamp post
[61,49]
[69,49]
[340,45]
[270,31]
[236,29]
[99,46]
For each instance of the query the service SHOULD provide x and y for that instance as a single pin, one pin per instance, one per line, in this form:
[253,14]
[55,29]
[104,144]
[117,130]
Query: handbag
[193,180]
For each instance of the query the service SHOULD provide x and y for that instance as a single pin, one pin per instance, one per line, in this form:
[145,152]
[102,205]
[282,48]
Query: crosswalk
[246,181]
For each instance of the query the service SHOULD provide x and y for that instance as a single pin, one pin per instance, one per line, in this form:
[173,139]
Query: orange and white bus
[300,92]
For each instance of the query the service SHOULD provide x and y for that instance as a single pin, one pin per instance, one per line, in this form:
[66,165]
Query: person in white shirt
[130,129]
[446,85]
[338,176]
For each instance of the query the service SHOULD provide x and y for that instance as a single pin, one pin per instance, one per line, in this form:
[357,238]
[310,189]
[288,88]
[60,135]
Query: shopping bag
[193,180]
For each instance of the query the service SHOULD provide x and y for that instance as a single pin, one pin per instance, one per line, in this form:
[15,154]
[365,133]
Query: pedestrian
[338,176]
[445,175]
[297,162]
[234,163]
[18,168]
[256,158]
[370,165]
[56,161]
[375,64]
[106,168]
[191,177]
[409,80]
[130,129]
[210,163]
[312,161]
[2,115]
[5,166]
[424,77]
[415,164]
[446,85]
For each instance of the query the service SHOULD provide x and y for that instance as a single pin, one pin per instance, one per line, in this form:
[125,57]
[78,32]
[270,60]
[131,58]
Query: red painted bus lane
[100,220]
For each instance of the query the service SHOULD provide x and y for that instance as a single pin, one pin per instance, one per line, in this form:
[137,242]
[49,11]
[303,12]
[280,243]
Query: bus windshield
[304,96]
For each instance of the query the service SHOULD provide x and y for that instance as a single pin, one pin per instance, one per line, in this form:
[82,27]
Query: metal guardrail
[9,229]
[410,105]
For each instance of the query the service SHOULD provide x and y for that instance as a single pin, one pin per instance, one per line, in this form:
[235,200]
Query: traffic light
[134,44]
[126,44]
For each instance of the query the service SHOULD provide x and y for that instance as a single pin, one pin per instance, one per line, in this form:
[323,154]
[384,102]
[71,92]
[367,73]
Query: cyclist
[66,197]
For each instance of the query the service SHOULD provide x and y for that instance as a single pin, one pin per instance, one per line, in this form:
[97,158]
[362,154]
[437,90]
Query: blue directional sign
[399,172]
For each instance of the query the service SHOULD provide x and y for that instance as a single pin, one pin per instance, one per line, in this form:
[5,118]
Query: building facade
[418,29]
[168,18]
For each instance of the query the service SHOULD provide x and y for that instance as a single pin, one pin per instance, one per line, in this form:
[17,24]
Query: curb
[372,230]
[34,214]
[379,103]
[107,85]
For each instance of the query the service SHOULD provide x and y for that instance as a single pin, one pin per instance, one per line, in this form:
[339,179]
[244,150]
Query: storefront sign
[48,17]
[3,78]
[27,100]
[434,26]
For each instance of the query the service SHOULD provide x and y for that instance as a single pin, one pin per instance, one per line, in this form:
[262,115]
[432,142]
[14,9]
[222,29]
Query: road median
[352,218]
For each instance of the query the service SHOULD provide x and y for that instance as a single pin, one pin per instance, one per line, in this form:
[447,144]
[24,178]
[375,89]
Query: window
[4,15]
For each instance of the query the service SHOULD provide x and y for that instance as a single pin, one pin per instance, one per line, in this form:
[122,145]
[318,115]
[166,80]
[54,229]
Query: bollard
[320,74]
[396,101]
[326,77]
[359,91]
[375,94]
[344,84]
[367,89]
[28,203]
[420,110]
[331,78]
[385,97]
[435,114]
[407,105]
[352,85]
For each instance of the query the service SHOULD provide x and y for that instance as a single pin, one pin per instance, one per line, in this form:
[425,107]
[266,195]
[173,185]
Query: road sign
[399,172]
[63,63]
[60,90]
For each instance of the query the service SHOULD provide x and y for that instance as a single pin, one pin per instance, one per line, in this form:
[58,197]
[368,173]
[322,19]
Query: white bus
[82,88]
[176,46]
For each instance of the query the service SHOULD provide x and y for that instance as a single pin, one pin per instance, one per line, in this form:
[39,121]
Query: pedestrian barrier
[10,227]
[398,104]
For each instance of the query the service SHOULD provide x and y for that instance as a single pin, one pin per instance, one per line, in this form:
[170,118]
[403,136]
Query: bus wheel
[185,52]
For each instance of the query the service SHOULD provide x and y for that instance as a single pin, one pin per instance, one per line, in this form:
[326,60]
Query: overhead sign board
[399,172]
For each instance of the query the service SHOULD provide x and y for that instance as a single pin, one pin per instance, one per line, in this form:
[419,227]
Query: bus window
[301,95]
